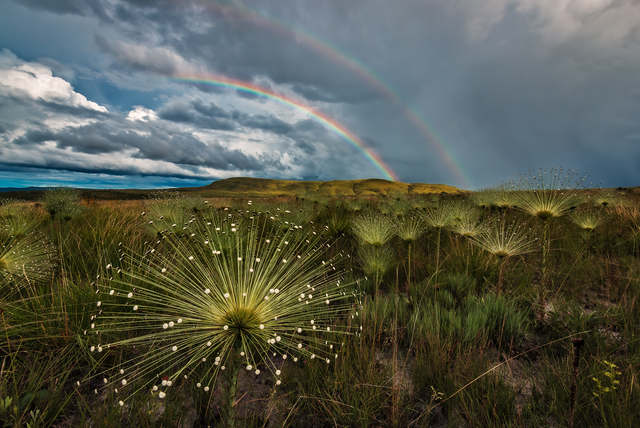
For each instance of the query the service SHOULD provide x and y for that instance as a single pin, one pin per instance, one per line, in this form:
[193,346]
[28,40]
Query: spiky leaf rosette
[586,220]
[372,228]
[25,259]
[549,193]
[409,227]
[233,290]
[505,239]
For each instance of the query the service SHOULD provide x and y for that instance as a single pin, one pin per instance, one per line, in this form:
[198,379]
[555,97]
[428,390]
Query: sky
[169,93]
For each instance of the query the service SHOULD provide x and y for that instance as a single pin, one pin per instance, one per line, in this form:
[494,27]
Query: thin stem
[409,268]
[438,254]
[231,394]
[501,273]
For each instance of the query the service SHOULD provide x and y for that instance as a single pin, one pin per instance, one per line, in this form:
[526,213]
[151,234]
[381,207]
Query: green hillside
[262,187]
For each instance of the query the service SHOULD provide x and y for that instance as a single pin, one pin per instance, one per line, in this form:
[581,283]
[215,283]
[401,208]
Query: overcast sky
[463,92]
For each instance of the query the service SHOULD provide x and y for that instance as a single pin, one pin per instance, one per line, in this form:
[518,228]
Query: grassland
[475,311]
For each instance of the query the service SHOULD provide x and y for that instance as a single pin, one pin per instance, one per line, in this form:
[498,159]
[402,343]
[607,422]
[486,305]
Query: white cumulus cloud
[36,81]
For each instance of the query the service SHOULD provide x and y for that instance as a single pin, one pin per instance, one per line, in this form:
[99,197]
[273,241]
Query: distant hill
[244,187]
[263,187]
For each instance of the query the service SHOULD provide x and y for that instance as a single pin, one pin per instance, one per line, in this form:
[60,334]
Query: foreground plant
[504,240]
[376,262]
[548,194]
[25,259]
[409,228]
[586,220]
[439,217]
[62,203]
[372,228]
[230,293]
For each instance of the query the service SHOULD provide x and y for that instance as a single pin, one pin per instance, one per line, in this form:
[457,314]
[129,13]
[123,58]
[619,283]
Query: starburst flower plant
[586,220]
[237,291]
[505,240]
[25,259]
[409,227]
[376,262]
[372,228]
[549,193]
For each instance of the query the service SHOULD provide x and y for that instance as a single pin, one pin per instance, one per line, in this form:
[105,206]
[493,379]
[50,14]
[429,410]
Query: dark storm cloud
[70,166]
[208,117]
[180,148]
[76,7]
[211,116]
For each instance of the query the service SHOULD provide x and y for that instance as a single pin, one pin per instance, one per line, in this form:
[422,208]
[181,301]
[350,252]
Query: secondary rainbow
[238,8]
[332,124]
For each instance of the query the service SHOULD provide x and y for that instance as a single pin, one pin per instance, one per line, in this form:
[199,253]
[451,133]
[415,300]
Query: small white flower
[111,292]
[257,371]
[164,270]
[227,295]
[190,257]
[278,372]
[155,388]
[261,326]
[299,345]
[135,307]
[129,295]
[226,327]
[121,403]
[179,320]
[278,382]
[249,367]
[206,388]
[99,303]
[161,394]
[174,348]
[124,382]
[171,324]
[165,326]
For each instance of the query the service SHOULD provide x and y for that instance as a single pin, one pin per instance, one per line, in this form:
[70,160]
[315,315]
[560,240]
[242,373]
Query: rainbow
[251,88]
[356,67]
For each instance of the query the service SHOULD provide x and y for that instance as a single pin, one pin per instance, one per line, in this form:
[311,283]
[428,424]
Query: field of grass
[366,303]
